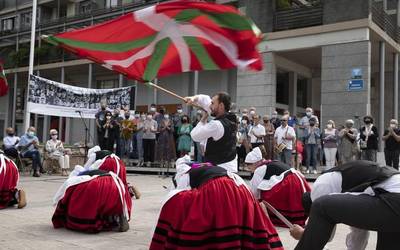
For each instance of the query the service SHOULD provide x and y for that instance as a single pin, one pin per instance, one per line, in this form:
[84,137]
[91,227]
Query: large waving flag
[169,38]
[3,81]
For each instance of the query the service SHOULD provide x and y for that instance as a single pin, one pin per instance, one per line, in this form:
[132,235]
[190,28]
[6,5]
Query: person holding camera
[312,136]
[392,144]
[347,146]
[284,138]
[369,140]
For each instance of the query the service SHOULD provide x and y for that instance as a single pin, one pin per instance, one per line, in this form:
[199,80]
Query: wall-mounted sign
[356,85]
[356,73]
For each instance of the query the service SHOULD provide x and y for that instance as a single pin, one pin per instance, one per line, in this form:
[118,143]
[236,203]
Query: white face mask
[149,117]
[274,115]
[153,109]
[308,113]
[179,111]
[31,133]
[143,117]
[252,112]
[54,137]
[166,116]
[244,122]
[329,125]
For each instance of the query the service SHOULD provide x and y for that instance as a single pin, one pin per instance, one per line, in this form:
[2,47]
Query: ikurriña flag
[3,81]
[169,38]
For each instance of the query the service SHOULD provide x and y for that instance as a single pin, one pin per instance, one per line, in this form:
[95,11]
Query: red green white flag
[3,81]
[169,38]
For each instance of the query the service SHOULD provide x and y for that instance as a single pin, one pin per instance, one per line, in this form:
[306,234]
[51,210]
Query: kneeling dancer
[212,208]
[360,194]
[106,160]
[279,185]
[92,201]
[9,176]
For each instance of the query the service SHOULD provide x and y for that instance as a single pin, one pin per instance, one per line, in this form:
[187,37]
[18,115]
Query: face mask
[244,122]
[153,109]
[393,125]
[252,112]
[348,125]
[312,124]
[108,117]
[266,121]
[367,122]
[166,116]
[127,116]
[31,133]
[308,114]
[149,117]
[184,121]
[179,111]
[274,116]
[54,137]
[329,126]
[143,117]
[10,134]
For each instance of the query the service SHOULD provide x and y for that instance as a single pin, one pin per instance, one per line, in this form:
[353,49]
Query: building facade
[339,57]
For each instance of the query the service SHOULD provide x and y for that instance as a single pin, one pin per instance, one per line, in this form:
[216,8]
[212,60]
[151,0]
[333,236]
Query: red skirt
[88,206]
[8,183]
[217,215]
[110,164]
[286,197]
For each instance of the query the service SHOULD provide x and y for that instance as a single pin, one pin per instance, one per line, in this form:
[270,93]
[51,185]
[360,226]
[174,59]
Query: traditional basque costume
[95,198]
[212,208]
[9,176]
[281,186]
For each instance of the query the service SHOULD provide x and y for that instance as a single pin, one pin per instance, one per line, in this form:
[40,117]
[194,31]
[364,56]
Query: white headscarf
[94,150]
[254,156]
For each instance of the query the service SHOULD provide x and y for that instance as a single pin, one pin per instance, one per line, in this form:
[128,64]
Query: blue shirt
[25,140]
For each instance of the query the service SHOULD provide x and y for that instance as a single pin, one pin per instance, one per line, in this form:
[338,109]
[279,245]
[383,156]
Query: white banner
[48,97]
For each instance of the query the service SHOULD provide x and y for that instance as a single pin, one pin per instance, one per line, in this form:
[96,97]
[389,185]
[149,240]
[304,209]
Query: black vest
[102,153]
[201,175]
[275,168]
[358,175]
[223,150]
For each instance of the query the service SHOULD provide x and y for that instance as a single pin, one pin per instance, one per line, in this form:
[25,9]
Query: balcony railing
[385,21]
[298,18]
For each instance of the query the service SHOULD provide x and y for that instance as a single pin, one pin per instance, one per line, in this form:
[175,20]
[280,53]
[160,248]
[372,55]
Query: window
[85,7]
[302,93]
[111,3]
[26,19]
[8,23]
[107,84]
[282,87]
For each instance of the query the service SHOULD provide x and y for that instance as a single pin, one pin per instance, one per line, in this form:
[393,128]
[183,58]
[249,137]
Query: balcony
[298,18]
[387,23]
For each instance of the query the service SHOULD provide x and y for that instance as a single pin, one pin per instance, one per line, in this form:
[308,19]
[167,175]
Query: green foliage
[283,4]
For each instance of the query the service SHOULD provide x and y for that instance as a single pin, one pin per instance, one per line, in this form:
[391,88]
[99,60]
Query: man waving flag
[169,38]
[3,81]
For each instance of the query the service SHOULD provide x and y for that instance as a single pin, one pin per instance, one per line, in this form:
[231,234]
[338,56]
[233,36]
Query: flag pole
[31,60]
[158,87]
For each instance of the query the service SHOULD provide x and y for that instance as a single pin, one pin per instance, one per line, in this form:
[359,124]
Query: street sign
[356,85]
[356,73]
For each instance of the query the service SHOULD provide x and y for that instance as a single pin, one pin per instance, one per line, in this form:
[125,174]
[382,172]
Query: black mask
[103,108]
[184,121]
[127,116]
[312,124]
[10,134]
[367,122]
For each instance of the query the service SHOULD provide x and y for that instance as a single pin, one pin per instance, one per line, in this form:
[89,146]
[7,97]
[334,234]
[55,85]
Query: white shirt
[213,129]
[280,133]
[10,141]
[258,130]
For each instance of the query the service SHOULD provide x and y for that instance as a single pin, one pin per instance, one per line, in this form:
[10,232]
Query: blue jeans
[35,156]
[125,147]
[286,157]
[311,150]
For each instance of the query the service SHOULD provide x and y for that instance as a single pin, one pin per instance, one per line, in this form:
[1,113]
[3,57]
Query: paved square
[31,227]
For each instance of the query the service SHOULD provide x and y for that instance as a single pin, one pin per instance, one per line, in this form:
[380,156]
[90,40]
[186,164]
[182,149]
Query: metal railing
[298,18]
[385,21]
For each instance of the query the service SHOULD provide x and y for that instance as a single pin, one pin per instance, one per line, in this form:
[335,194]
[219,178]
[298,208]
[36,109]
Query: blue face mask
[31,134]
